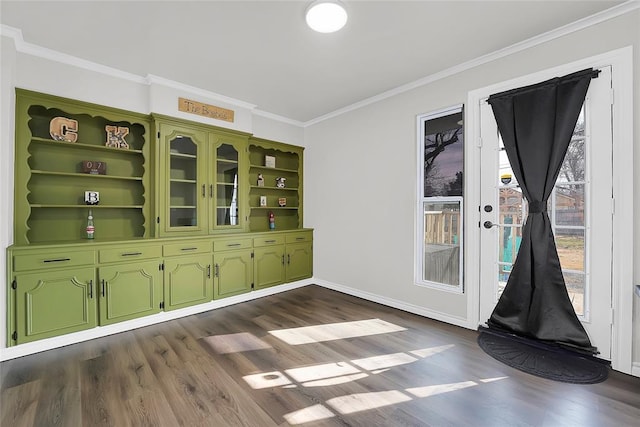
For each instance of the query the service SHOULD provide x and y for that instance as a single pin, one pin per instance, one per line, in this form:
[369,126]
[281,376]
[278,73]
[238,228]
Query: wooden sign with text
[206,110]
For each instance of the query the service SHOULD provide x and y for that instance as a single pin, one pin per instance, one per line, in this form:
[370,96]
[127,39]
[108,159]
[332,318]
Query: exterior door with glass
[580,209]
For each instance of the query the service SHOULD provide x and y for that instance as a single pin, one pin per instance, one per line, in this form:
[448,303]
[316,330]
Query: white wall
[361,177]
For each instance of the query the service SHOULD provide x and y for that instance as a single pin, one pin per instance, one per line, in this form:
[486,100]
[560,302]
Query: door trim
[621,61]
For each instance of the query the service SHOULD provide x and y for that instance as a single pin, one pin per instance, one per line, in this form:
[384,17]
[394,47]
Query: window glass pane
[570,244]
[510,238]
[442,242]
[575,287]
[569,204]
[443,156]
[573,166]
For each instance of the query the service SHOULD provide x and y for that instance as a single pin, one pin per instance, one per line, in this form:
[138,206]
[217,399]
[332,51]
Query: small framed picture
[94,167]
[263,200]
[91,197]
[270,161]
[260,180]
[282,201]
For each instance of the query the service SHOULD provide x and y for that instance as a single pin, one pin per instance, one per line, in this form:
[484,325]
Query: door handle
[489,224]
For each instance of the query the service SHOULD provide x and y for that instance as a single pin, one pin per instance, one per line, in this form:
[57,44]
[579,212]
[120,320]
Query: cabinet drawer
[129,254]
[268,241]
[306,236]
[22,262]
[186,248]
[229,244]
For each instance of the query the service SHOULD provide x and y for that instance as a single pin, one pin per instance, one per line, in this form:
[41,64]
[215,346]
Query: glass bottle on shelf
[90,228]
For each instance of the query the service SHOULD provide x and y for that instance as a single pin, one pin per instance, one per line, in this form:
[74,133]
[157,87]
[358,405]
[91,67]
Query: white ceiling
[261,52]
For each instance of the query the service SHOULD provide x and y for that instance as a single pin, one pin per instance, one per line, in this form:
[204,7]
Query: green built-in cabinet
[182,218]
[128,290]
[285,201]
[282,258]
[58,289]
[53,302]
[54,136]
[202,178]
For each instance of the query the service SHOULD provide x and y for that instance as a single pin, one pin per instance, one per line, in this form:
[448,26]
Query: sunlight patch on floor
[335,331]
[490,380]
[384,361]
[328,374]
[426,352]
[266,380]
[310,414]
[433,390]
[335,380]
[317,372]
[359,402]
[235,343]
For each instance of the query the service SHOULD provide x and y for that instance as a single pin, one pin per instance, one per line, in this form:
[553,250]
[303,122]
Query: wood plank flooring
[310,357]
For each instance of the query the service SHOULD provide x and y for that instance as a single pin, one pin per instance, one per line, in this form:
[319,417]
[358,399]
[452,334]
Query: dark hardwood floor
[307,357]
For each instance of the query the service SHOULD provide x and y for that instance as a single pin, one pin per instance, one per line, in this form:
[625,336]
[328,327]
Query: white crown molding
[278,118]
[52,55]
[578,25]
[153,79]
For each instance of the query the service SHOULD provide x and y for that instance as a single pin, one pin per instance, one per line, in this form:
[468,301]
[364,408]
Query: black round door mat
[557,365]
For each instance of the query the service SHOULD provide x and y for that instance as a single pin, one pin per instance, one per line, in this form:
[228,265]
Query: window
[440,199]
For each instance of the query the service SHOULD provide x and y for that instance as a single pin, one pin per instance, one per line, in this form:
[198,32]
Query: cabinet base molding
[103,331]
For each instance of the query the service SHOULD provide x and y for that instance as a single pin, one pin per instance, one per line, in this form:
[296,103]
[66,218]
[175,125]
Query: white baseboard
[103,331]
[635,369]
[400,305]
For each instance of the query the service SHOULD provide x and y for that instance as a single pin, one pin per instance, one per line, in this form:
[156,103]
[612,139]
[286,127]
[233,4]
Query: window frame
[419,280]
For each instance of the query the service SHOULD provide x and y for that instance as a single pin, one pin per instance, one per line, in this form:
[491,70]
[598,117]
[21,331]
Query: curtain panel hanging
[536,124]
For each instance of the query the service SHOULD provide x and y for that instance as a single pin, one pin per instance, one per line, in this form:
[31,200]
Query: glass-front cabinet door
[183,186]
[226,181]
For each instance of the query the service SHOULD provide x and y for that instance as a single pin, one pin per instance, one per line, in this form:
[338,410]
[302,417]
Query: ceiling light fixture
[326,16]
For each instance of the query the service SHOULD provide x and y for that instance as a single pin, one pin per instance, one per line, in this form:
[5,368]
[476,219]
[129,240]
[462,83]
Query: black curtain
[536,123]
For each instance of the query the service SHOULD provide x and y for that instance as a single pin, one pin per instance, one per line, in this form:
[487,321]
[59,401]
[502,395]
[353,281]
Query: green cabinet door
[51,303]
[269,266]
[183,188]
[299,261]
[127,291]
[187,281]
[227,182]
[233,273]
